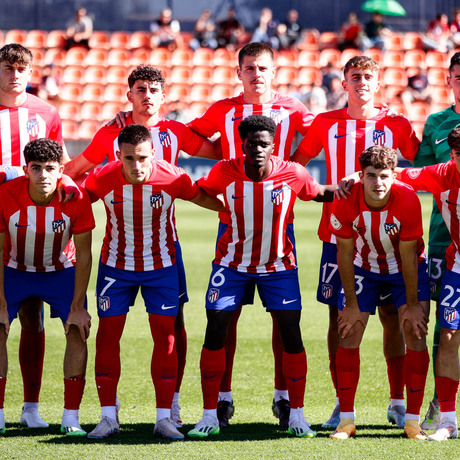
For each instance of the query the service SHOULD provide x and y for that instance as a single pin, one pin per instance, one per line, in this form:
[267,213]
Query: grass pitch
[253,432]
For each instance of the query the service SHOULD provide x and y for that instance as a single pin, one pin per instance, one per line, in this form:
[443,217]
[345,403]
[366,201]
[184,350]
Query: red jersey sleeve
[428,178]
[187,188]
[340,223]
[83,220]
[410,212]
[312,144]
[207,124]
[212,182]
[310,189]
[407,143]
[191,142]
[101,147]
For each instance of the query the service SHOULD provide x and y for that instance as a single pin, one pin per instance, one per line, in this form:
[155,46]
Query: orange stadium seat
[330,55]
[179,92]
[308,76]
[223,56]
[36,77]
[110,109]
[203,57]
[115,93]
[75,56]
[72,92]
[375,54]
[436,59]
[285,75]
[56,39]
[160,57]
[70,130]
[419,111]
[442,95]
[182,57]
[392,92]
[224,75]
[222,92]
[347,55]
[203,75]
[310,40]
[198,108]
[15,36]
[93,92]
[414,58]
[395,77]
[95,74]
[69,110]
[139,56]
[397,107]
[96,57]
[201,93]
[181,74]
[437,76]
[91,110]
[117,74]
[120,39]
[287,58]
[73,74]
[36,39]
[394,42]
[54,56]
[87,129]
[99,39]
[393,59]
[38,56]
[328,40]
[140,39]
[412,40]
[118,56]
[308,58]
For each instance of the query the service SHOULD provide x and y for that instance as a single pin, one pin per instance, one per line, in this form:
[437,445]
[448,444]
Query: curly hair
[43,150]
[379,157]
[256,123]
[14,53]
[360,63]
[148,73]
[134,135]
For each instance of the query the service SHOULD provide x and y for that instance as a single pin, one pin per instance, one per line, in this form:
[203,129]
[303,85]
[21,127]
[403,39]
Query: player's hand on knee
[348,317]
[416,317]
[80,318]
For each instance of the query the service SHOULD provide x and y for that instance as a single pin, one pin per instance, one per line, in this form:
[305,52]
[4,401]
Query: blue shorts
[330,283]
[371,287]
[54,288]
[449,305]
[116,290]
[183,295]
[436,269]
[278,291]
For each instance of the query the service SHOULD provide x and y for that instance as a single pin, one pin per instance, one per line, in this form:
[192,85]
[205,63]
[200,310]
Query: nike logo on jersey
[341,135]
[116,202]
[167,307]
[236,197]
[285,302]
[383,297]
[21,225]
[236,118]
[438,141]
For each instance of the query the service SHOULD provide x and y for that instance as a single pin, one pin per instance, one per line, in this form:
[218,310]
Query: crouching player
[256,247]
[380,251]
[443,181]
[42,262]
[138,252]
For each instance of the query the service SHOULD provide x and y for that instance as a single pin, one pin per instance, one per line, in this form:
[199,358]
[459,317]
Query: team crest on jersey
[165,139]
[327,290]
[32,127]
[277,196]
[275,115]
[378,137]
[413,173]
[213,295]
[104,302]
[450,314]
[391,229]
[157,201]
[58,226]
[335,223]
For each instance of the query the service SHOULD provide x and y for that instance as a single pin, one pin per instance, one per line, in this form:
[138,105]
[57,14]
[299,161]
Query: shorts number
[325,278]
[110,281]
[359,285]
[445,300]
[218,279]
[434,269]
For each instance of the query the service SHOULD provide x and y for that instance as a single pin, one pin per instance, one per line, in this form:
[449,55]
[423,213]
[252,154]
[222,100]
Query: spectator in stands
[177,110]
[266,31]
[293,31]
[455,28]
[205,32]
[336,97]
[375,33]
[315,99]
[350,33]
[166,31]
[49,87]
[417,89]
[438,35]
[229,31]
[79,31]
[329,73]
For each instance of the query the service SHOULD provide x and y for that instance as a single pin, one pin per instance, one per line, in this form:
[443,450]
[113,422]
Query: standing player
[146,94]
[256,247]
[41,261]
[443,181]
[23,118]
[380,249]
[256,71]
[435,149]
[344,134]
[138,252]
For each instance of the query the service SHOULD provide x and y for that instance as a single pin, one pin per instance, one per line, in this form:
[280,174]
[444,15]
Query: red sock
[395,370]
[447,390]
[181,350]
[2,391]
[347,363]
[31,356]
[73,392]
[416,368]
[230,349]
[212,365]
[278,350]
[164,359]
[333,371]
[295,373]
[107,363]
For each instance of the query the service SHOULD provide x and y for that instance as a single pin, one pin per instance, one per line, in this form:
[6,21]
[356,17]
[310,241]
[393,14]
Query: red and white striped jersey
[377,234]
[169,138]
[224,117]
[38,238]
[258,213]
[35,119]
[443,181]
[139,230]
[344,139]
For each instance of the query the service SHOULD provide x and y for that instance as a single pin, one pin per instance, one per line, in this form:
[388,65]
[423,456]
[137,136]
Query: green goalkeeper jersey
[434,149]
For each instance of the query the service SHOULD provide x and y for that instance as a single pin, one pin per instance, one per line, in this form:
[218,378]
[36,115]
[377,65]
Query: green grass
[253,432]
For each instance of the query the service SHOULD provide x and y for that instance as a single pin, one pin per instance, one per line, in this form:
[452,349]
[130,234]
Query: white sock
[396,402]
[450,417]
[225,396]
[70,417]
[281,394]
[344,415]
[210,412]
[337,401]
[163,413]
[176,398]
[412,417]
[30,406]
[296,413]
[2,419]
[109,411]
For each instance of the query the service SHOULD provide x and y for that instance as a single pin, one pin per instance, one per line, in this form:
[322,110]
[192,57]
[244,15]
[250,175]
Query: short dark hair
[454,60]
[256,123]
[379,157]
[255,49]
[361,63]
[43,150]
[453,139]
[134,135]
[16,53]
[148,73]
